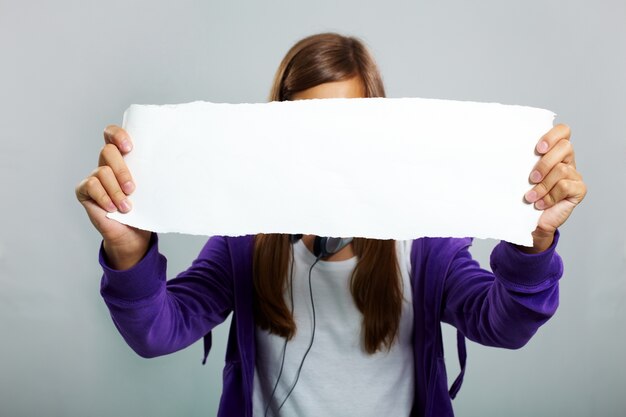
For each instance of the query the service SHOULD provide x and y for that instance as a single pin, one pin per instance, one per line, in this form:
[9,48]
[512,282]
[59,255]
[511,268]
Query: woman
[351,331]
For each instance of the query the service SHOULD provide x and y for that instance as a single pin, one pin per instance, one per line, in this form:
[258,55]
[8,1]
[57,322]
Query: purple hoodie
[504,308]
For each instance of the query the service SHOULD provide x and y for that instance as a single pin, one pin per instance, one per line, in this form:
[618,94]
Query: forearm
[135,297]
[156,316]
[504,307]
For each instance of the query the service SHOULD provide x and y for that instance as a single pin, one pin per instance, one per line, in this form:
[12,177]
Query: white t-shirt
[338,377]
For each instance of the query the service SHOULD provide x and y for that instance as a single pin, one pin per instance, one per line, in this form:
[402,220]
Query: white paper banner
[377,168]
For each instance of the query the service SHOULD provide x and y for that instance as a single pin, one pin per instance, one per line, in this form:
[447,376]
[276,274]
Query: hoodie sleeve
[156,316]
[504,308]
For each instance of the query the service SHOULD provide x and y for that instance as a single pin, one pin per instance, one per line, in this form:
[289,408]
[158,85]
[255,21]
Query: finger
[552,137]
[561,152]
[119,137]
[559,172]
[111,156]
[565,189]
[90,189]
[112,187]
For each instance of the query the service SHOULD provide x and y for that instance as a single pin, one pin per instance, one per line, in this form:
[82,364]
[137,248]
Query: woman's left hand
[558,185]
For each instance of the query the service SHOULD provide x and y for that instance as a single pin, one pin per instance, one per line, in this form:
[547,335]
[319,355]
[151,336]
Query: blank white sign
[374,167]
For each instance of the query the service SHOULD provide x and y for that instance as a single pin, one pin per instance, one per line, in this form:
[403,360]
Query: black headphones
[325,246]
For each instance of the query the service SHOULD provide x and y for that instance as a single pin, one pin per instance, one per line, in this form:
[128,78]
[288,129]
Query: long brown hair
[376,284]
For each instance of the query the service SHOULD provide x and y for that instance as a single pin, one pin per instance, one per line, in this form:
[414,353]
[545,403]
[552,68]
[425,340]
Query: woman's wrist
[542,240]
[124,256]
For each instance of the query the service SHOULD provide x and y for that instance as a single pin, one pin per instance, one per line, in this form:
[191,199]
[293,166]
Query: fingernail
[128,187]
[531,196]
[126,146]
[542,147]
[125,205]
[540,204]
[111,207]
[535,176]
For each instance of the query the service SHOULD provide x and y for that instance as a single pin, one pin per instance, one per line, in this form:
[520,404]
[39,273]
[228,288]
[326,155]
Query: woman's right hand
[106,190]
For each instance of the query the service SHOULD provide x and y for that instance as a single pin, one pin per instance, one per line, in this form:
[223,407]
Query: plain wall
[69,68]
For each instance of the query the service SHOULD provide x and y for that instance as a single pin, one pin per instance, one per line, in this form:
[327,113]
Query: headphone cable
[312,335]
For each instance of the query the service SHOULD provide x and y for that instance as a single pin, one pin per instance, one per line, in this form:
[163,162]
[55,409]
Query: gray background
[69,68]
